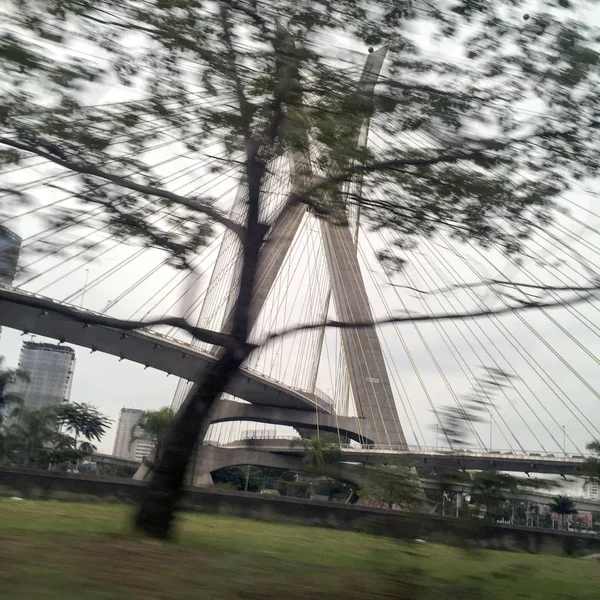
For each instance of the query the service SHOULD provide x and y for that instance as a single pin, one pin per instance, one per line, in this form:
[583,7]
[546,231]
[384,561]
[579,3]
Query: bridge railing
[327,401]
[467,452]
[324,396]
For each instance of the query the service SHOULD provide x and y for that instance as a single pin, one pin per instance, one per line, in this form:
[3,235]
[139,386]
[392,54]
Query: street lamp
[564,440]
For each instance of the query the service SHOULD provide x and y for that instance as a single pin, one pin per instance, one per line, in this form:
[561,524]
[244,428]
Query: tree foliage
[54,435]
[492,489]
[82,420]
[563,506]
[477,406]
[322,453]
[28,437]
[392,485]
[224,70]
[8,377]
[591,465]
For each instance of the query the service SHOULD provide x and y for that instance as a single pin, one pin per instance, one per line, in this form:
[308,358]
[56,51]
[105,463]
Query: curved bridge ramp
[31,313]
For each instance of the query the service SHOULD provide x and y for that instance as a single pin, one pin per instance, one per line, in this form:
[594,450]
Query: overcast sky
[555,363]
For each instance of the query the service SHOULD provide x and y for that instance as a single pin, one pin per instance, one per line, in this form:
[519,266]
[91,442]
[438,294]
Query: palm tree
[9,377]
[152,427]
[82,420]
[30,436]
[79,420]
[563,505]
[321,453]
[34,437]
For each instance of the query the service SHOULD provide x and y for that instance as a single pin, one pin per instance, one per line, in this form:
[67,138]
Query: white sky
[544,395]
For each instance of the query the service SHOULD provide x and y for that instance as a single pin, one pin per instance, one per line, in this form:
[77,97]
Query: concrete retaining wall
[46,485]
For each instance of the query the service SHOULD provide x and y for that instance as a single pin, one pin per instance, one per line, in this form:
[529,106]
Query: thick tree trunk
[156,512]
[155,515]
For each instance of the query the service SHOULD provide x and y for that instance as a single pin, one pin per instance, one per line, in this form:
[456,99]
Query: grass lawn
[74,551]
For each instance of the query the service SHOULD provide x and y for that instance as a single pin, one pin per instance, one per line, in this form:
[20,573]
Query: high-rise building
[50,374]
[124,446]
[10,244]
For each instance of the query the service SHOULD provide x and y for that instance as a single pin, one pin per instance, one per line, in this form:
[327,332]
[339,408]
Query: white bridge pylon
[369,391]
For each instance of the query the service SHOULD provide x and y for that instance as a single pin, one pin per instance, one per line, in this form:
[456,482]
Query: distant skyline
[104,382]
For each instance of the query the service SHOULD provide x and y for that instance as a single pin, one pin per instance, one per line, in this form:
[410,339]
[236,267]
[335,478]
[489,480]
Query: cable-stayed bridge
[385,387]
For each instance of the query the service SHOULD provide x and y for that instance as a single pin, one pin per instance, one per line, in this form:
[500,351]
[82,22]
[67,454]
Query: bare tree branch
[549,288]
[423,318]
[85,169]
[46,304]
[121,24]
[231,59]
[393,164]
[500,282]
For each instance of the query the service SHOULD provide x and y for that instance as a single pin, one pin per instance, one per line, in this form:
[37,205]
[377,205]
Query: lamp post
[564,440]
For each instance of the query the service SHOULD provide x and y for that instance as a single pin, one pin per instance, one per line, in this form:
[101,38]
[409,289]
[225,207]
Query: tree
[563,505]
[321,459]
[258,77]
[82,420]
[591,465]
[50,435]
[490,490]
[8,377]
[322,454]
[30,436]
[152,427]
[392,485]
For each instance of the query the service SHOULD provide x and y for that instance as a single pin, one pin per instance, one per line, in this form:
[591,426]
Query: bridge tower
[367,373]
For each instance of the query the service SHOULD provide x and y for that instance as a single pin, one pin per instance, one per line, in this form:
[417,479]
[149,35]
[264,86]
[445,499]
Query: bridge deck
[145,347]
[468,460]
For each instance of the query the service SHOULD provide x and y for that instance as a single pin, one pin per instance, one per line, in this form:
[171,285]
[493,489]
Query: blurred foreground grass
[86,551]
